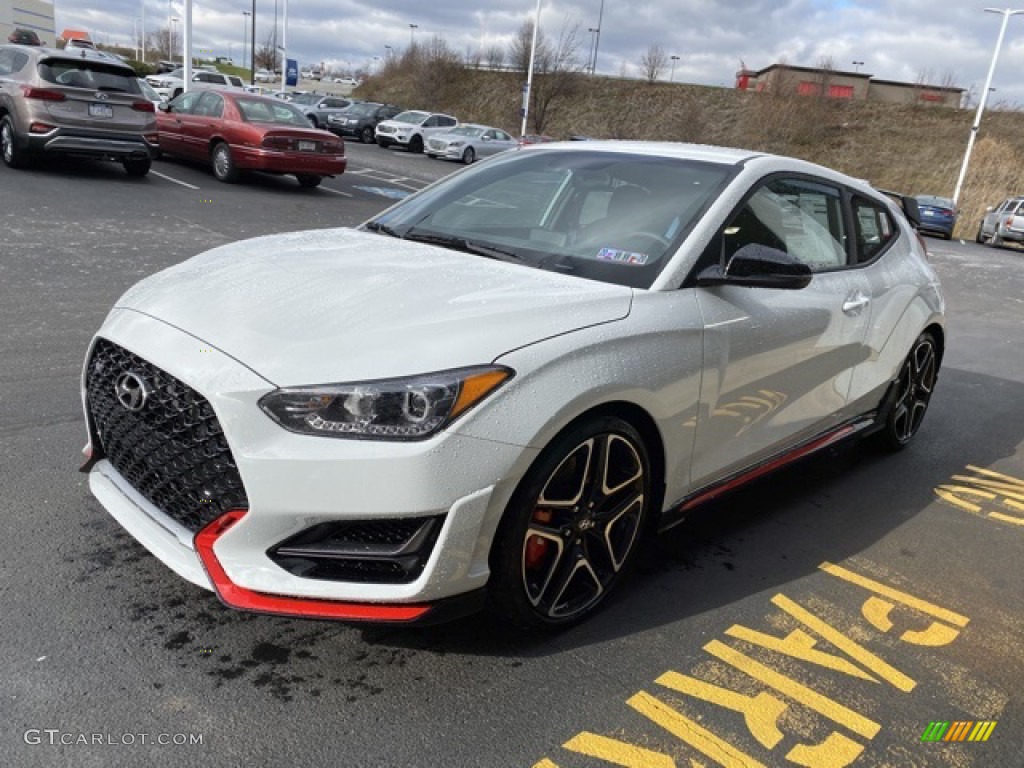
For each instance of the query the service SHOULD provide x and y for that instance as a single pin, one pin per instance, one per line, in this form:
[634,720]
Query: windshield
[267,111]
[940,202]
[410,117]
[602,215]
[305,99]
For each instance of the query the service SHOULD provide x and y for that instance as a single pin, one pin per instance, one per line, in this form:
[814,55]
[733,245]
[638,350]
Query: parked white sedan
[493,390]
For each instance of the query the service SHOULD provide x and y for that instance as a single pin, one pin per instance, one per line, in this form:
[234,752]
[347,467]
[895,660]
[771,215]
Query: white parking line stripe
[336,191]
[176,181]
[359,172]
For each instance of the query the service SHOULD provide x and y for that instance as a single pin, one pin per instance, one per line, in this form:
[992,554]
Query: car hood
[345,305]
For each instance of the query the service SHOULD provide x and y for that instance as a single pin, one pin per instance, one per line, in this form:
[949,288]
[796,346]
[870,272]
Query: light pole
[135,31]
[143,35]
[1007,13]
[529,71]
[412,34]
[672,77]
[245,35]
[857,65]
[597,38]
[170,42]
[590,60]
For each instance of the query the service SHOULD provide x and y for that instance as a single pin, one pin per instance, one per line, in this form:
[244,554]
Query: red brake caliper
[537,547]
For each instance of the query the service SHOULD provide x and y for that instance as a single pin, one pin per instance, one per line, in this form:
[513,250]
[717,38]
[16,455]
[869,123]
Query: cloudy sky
[950,41]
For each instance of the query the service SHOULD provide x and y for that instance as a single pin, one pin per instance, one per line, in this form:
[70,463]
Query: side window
[431,122]
[502,136]
[186,103]
[801,218]
[875,228]
[447,121]
[6,62]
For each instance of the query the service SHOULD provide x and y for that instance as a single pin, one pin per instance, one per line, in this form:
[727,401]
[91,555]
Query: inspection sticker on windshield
[622,257]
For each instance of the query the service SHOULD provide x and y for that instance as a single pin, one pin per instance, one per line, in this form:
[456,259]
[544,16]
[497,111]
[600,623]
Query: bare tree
[495,57]
[653,63]
[266,56]
[557,68]
[165,42]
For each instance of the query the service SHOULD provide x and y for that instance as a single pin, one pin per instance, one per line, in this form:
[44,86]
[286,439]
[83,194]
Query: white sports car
[491,391]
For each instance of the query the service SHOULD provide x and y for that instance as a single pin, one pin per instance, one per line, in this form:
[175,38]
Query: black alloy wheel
[914,387]
[416,144]
[366,136]
[573,525]
[137,167]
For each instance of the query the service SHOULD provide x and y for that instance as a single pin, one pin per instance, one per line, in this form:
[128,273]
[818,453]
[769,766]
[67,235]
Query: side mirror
[912,212]
[163,106]
[758,266]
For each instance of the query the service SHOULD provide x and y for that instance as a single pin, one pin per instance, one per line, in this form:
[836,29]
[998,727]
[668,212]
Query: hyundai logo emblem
[130,391]
[100,95]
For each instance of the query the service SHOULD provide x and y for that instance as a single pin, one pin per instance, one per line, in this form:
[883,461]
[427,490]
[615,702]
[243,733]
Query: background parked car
[1003,223]
[535,138]
[89,105]
[411,129]
[235,131]
[170,85]
[319,108]
[150,93]
[468,141]
[360,119]
[938,215]
[24,37]
[265,76]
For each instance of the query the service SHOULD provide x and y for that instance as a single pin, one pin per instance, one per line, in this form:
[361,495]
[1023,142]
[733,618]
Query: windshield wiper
[384,229]
[463,244]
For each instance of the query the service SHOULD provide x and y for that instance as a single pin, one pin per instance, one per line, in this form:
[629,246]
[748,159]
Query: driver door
[778,363]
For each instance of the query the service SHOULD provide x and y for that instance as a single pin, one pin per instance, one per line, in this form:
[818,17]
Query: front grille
[172,450]
[435,144]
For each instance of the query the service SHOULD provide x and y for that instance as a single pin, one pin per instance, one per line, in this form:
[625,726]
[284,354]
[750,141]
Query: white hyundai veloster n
[489,393]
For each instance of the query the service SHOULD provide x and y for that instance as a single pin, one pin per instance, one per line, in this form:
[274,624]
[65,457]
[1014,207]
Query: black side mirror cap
[758,266]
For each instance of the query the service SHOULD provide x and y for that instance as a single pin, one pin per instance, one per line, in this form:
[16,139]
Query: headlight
[411,408]
[456,144]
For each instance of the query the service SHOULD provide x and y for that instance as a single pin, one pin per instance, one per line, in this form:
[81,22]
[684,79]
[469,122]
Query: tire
[563,543]
[308,180]
[13,156]
[366,135]
[980,238]
[416,144]
[313,121]
[381,144]
[224,168]
[914,386]
[137,167]
[468,156]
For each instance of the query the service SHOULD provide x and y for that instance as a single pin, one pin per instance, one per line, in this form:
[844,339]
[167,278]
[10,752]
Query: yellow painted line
[988,731]
[992,473]
[836,751]
[894,594]
[760,712]
[976,731]
[876,610]
[1006,518]
[949,493]
[618,752]
[823,705]
[698,737]
[799,645]
[851,648]
[545,763]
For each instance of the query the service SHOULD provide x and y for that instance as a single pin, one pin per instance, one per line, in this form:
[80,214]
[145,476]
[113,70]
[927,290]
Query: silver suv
[80,103]
[1004,223]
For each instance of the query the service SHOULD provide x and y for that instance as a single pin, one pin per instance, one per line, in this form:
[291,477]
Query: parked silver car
[411,129]
[80,103]
[1004,223]
[468,142]
[319,108]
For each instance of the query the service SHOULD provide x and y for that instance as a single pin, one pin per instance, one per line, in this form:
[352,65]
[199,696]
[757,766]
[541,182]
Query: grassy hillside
[912,149]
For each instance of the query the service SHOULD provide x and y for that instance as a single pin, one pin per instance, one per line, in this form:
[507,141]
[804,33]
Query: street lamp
[245,34]
[590,61]
[170,41]
[412,34]
[672,77]
[1007,13]
[597,37]
[857,65]
[135,31]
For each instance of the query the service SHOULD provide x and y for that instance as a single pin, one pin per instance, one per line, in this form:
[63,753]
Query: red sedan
[236,131]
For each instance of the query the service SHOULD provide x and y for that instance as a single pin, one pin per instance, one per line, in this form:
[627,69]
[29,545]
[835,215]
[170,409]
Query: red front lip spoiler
[309,608]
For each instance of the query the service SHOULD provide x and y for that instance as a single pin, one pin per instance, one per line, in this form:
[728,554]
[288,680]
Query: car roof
[77,54]
[707,152]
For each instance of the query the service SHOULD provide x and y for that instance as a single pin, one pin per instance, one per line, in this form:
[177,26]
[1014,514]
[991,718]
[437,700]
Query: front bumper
[294,482]
[448,153]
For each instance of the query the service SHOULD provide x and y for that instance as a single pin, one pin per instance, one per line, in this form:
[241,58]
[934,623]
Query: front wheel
[980,237]
[416,144]
[914,387]
[469,156]
[308,180]
[367,135]
[224,168]
[572,526]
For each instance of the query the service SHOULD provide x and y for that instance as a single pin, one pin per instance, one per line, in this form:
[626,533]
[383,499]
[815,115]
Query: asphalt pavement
[826,616]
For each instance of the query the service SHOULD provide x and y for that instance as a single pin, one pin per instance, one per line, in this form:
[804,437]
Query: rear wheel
[980,237]
[12,155]
[309,180]
[366,136]
[416,144]
[914,387]
[223,164]
[468,156]
[573,525]
[137,167]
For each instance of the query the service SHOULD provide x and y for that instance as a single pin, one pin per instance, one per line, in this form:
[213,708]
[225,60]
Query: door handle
[855,302]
